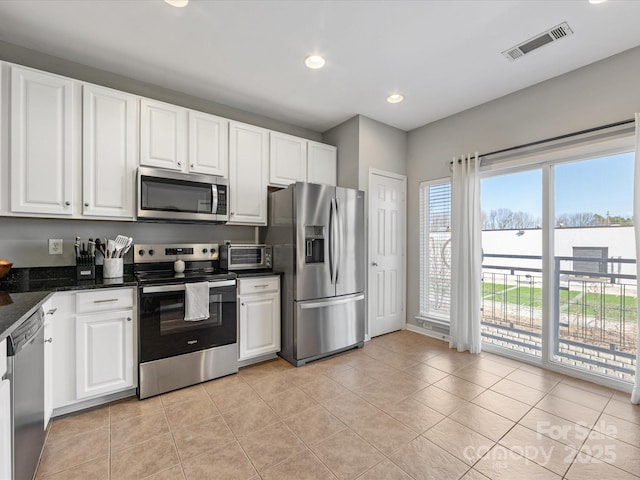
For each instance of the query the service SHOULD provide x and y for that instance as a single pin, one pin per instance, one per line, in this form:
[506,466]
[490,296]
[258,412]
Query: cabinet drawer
[102,300]
[248,286]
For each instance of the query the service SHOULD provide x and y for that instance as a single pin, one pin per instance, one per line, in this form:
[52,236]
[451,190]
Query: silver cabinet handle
[52,311]
[49,340]
[106,300]
[260,286]
[375,264]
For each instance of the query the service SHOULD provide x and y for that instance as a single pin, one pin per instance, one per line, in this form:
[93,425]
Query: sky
[592,186]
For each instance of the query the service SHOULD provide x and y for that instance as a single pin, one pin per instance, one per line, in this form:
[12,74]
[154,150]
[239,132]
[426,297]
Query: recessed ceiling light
[395,98]
[594,2]
[178,3]
[314,61]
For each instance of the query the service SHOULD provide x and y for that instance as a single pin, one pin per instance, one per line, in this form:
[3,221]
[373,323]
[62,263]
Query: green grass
[570,301]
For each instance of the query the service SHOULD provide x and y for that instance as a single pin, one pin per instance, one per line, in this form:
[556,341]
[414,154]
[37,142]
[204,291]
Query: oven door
[163,331]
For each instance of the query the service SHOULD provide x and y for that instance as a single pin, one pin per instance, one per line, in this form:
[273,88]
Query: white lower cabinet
[49,312]
[93,345]
[259,316]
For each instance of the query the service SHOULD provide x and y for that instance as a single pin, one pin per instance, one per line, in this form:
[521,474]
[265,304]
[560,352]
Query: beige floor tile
[68,451]
[234,396]
[190,412]
[483,421]
[618,428]
[496,365]
[303,466]
[544,451]
[138,429]
[300,376]
[502,405]
[173,473]
[351,378]
[273,384]
[290,402]
[414,414]
[403,383]
[133,407]
[556,428]
[95,470]
[379,394]
[519,392]
[426,373]
[80,422]
[452,360]
[475,375]
[314,425]
[625,410]
[588,386]
[500,463]
[460,387]
[346,454]
[144,459]
[230,463]
[585,398]
[568,409]
[533,380]
[383,432]
[399,360]
[502,360]
[613,451]
[437,399]
[220,386]
[323,389]
[250,417]
[464,443]
[193,393]
[257,373]
[588,469]
[202,437]
[424,460]
[271,445]
[376,369]
[386,470]
[349,407]
[474,475]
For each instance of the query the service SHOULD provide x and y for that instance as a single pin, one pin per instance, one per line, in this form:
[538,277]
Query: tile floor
[403,407]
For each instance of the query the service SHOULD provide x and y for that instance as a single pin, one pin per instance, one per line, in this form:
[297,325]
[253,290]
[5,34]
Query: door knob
[375,264]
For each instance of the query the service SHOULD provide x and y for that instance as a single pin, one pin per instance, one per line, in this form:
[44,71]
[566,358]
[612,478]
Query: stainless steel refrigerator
[317,234]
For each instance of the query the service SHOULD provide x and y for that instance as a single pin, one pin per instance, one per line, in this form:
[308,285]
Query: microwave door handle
[214,199]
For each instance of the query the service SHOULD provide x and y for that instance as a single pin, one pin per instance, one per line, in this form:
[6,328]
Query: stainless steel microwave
[245,257]
[181,197]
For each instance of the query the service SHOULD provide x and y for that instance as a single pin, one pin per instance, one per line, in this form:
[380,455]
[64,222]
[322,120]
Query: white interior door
[387,237]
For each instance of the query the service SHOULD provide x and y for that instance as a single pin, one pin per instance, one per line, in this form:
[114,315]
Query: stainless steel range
[177,348]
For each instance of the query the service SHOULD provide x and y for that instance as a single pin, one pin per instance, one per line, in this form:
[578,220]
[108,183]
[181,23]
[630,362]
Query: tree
[506,219]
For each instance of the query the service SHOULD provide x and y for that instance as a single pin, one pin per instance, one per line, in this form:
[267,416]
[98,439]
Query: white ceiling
[443,56]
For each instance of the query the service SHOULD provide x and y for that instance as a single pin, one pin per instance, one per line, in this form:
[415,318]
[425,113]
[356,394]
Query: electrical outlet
[55,246]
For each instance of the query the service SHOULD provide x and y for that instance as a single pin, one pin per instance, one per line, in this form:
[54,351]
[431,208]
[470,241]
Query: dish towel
[196,301]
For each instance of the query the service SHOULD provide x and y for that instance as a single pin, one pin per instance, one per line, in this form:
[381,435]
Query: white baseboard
[427,332]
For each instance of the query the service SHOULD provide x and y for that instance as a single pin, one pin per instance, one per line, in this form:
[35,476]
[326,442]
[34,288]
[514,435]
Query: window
[435,249]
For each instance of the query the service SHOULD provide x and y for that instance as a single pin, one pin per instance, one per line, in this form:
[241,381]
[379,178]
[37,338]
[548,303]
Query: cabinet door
[42,148]
[163,131]
[287,159]
[5,430]
[322,163]
[259,325]
[109,152]
[49,311]
[248,174]
[208,144]
[104,353]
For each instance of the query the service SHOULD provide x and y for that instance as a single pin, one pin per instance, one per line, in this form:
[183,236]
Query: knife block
[85,267]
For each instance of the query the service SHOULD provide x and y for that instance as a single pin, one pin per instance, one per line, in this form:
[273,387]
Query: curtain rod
[552,139]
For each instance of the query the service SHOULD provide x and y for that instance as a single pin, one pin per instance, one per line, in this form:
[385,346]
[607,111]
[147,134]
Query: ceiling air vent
[551,35]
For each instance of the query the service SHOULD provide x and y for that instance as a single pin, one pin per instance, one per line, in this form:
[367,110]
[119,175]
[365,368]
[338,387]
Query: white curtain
[466,255]
[635,395]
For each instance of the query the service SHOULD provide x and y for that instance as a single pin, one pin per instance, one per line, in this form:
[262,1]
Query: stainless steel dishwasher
[25,355]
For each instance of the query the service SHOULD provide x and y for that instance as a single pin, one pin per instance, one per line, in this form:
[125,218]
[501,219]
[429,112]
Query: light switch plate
[55,246]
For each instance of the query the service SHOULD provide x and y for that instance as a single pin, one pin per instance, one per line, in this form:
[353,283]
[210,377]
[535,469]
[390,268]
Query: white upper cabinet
[322,163]
[109,152]
[287,159]
[248,174]
[208,144]
[43,142]
[163,140]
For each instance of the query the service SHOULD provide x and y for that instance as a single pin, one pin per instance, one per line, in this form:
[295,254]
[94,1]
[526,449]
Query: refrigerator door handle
[339,240]
[332,241]
[331,303]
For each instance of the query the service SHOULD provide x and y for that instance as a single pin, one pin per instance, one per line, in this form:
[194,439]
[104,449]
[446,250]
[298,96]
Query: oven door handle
[180,287]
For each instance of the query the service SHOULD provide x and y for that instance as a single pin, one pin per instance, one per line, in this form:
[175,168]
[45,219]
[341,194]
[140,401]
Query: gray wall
[346,137]
[604,92]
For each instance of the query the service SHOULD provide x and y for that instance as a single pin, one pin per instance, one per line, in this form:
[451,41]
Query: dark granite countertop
[24,289]
[255,273]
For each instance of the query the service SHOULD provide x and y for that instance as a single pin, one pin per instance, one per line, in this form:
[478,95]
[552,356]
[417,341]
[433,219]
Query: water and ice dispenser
[314,244]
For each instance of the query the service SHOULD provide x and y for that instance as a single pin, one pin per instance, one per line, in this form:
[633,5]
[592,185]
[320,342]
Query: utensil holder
[113,268]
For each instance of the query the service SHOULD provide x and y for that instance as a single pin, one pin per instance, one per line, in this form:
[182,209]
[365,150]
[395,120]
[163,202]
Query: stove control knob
[141,252]
[152,251]
[204,250]
[213,250]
